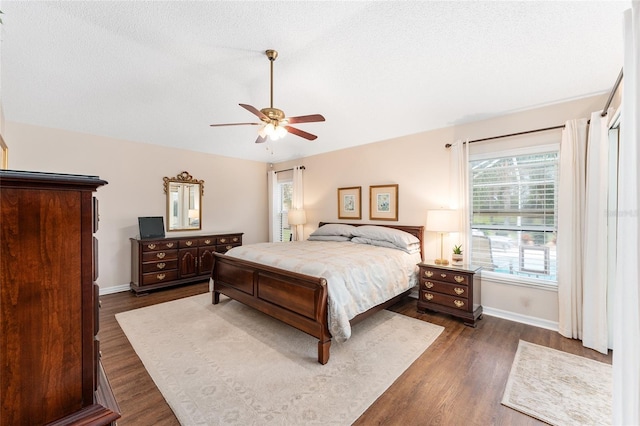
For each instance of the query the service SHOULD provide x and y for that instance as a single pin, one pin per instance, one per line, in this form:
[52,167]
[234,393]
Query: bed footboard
[295,299]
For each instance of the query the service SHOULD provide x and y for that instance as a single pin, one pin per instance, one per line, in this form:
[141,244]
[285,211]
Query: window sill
[520,281]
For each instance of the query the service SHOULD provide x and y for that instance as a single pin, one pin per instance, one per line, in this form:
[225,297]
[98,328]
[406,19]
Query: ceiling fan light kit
[273,122]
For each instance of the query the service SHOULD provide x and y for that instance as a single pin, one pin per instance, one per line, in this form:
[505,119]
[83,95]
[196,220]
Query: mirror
[184,202]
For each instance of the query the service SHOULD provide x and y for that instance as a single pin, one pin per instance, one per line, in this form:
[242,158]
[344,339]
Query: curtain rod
[613,92]
[288,170]
[512,134]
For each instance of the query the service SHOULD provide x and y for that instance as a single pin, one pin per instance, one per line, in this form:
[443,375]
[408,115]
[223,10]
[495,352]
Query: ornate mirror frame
[184,202]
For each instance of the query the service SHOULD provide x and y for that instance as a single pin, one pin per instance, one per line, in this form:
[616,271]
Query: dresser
[164,262]
[451,289]
[50,369]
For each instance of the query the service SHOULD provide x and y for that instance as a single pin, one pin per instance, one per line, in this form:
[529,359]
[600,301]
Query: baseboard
[525,319]
[115,289]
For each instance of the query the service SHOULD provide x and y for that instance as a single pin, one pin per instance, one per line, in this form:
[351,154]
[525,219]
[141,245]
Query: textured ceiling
[161,72]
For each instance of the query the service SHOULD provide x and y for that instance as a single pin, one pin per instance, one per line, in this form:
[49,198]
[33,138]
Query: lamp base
[441,262]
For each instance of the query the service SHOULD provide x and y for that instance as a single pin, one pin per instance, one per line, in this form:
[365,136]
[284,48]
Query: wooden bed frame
[295,299]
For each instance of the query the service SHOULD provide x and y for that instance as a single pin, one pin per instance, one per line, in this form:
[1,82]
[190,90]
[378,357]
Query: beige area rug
[230,364]
[559,388]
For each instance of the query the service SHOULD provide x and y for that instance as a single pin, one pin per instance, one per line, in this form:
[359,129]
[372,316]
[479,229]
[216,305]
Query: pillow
[328,238]
[400,239]
[332,229]
[411,249]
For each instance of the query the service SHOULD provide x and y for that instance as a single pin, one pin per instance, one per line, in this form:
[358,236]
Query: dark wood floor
[458,380]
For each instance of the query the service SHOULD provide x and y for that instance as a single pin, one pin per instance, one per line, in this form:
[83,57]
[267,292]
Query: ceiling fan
[275,124]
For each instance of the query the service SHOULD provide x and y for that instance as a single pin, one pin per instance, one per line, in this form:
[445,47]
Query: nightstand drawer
[442,299]
[457,290]
[444,275]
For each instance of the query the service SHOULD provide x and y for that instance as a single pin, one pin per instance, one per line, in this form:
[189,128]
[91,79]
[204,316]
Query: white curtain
[571,201]
[595,328]
[297,201]
[459,178]
[626,339]
[272,188]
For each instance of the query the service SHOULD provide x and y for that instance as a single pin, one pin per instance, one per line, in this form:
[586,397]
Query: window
[283,204]
[514,214]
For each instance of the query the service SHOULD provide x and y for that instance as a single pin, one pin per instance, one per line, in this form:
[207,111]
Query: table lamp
[442,220]
[297,217]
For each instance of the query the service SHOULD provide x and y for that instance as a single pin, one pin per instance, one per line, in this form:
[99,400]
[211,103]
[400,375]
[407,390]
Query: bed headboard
[416,231]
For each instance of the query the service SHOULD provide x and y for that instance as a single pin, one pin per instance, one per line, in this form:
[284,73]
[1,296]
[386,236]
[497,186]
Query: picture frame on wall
[383,202]
[349,206]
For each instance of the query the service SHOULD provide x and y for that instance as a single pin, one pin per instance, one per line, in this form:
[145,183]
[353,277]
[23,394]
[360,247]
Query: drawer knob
[151,246]
[161,265]
[458,278]
[429,274]
[189,243]
[428,284]
[161,276]
[207,241]
[161,255]
[223,240]
[458,290]
[428,296]
[169,245]
[235,239]
[443,275]
[458,303]
[229,247]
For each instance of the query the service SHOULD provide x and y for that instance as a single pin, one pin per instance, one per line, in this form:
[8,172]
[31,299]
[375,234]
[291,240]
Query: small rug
[559,388]
[230,364]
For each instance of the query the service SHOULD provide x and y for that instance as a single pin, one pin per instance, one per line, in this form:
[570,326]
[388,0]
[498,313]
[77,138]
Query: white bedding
[359,276]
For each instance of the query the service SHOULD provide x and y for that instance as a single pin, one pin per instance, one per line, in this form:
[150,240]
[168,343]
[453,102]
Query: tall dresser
[50,370]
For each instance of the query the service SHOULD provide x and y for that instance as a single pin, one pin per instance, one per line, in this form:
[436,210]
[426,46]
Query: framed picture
[349,206]
[383,202]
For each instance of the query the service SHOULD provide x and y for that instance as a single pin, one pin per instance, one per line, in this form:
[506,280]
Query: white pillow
[411,249]
[334,229]
[328,238]
[402,240]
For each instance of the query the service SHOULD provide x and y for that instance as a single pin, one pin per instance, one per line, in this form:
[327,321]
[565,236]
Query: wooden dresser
[50,370]
[451,289]
[165,262]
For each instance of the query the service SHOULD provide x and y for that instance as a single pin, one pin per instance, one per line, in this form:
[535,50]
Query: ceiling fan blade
[235,124]
[300,133]
[255,111]
[305,119]
[261,139]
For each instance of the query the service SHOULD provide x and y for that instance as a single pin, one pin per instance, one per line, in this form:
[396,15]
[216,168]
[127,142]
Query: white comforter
[358,276]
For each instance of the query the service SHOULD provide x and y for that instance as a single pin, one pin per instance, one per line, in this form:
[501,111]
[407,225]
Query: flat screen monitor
[151,227]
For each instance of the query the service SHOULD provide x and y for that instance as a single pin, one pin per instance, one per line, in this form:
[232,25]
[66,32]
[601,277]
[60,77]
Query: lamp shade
[443,220]
[297,217]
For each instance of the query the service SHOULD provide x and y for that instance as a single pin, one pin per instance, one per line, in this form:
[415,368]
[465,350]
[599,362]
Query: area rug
[230,364]
[559,388]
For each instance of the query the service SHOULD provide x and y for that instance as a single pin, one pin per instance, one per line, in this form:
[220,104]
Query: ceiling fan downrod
[272,55]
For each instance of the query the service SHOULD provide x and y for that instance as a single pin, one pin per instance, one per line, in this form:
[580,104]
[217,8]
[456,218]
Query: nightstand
[453,290]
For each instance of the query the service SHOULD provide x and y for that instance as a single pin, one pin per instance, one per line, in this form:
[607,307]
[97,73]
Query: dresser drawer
[204,242]
[457,290]
[159,266]
[158,277]
[225,248]
[154,256]
[444,300]
[229,239]
[148,246]
[188,243]
[443,275]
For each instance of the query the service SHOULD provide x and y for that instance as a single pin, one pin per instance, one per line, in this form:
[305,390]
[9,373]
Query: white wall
[420,165]
[234,198]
